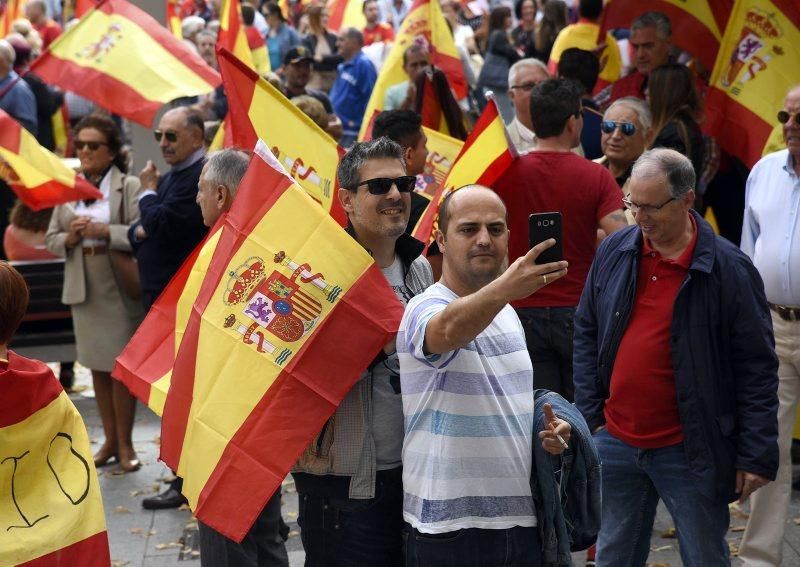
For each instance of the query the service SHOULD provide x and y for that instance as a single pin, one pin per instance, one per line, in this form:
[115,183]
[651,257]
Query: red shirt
[581,190]
[48,31]
[642,408]
[629,85]
[381,32]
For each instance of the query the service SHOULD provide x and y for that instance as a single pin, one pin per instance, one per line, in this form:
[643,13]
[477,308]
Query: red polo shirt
[642,408]
[381,32]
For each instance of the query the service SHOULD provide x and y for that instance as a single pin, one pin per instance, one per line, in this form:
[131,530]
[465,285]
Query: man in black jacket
[170,225]
[675,372]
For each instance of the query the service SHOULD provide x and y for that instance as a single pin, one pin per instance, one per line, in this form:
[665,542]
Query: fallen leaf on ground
[160,546]
[796,521]
[116,563]
[294,533]
[671,533]
[737,512]
[152,532]
[291,514]
[121,510]
[136,531]
[136,493]
[661,548]
[737,528]
[184,507]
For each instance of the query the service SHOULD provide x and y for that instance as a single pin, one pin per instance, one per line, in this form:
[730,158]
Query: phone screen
[542,226]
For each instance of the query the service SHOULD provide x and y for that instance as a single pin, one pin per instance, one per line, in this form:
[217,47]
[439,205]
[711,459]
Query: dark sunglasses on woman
[93,146]
[608,126]
[382,185]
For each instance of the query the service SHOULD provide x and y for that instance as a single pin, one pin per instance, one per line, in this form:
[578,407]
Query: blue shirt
[278,46]
[19,102]
[351,91]
[771,231]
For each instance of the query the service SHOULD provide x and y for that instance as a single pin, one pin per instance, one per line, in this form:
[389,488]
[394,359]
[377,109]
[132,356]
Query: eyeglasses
[525,87]
[170,136]
[382,185]
[627,128]
[646,209]
[92,146]
[785,116]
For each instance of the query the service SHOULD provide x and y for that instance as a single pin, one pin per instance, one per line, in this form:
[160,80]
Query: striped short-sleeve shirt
[468,414]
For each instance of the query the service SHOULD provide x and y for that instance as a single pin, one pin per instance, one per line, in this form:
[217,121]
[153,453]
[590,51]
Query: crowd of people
[673,351]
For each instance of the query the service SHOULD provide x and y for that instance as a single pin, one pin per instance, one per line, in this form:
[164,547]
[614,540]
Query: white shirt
[99,211]
[771,228]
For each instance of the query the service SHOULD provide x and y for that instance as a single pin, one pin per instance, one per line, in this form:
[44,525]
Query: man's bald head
[466,192]
[7,55]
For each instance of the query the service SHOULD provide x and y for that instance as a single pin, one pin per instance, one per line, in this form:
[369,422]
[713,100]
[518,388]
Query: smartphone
[542,226]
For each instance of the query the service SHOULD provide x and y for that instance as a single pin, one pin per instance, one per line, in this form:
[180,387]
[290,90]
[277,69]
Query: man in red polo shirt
[553,178]
[375,30]
[675,372]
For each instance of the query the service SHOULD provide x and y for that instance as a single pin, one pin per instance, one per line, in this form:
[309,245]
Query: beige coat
[124,189]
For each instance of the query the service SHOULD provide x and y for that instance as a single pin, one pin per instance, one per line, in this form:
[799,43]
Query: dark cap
[297,54]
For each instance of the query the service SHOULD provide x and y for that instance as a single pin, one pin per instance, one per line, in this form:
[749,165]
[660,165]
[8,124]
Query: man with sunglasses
[553,178]
[771,238]
[170,225]
[675,372]
[349,480]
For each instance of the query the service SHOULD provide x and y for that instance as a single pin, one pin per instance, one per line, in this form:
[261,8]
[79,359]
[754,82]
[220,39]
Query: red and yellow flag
[38,177]
[62,133]
[756,66]
[486,154]
[424,25]
[174,19]
[51,510]
[121,58]
[697,26]
[253,381]
[257,110]
[258,50]
[11,11]
[442,153]
[346,14]
[231,32]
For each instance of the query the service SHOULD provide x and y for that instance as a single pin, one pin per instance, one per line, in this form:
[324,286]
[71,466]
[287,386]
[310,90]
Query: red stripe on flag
[790,9]
[10,131]
[240,88]
[336,11]
[90,552]
[53,193]
[738,129]
[33,387]
[249,208]
[293,411]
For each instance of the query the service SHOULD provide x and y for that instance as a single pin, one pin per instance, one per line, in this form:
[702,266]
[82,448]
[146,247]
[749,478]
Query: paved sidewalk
[168,538]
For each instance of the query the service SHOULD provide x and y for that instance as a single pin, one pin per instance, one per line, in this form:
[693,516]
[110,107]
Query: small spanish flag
[257,110]
[51,510]
[174,19]
[253,381]
[38,177]
[231,33]
[346,14]
[486,154]
[122,59]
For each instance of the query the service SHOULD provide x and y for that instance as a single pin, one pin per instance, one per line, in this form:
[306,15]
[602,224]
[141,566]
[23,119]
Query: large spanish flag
[424,25]
[346,14]
[697,26]
[257,110]
[231,32]
[122,59]
[486,154]
[756,66]
[287,292]
[51,510]
[38,177]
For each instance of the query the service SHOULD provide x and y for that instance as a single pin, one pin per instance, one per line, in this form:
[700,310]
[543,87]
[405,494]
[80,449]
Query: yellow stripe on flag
[51,496]
[36,166]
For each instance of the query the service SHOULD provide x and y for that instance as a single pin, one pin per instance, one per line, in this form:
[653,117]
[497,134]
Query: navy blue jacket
[174,226]
[723,353]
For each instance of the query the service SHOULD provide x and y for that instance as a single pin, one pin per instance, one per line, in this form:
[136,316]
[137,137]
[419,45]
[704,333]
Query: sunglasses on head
[608,126]
[170,136]
[93,146]
[382,185]
[785,116]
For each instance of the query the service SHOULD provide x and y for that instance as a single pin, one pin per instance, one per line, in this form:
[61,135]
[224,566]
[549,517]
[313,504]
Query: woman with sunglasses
[623,136]
[87,233]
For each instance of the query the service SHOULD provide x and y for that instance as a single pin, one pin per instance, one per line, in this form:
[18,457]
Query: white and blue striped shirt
[467,452]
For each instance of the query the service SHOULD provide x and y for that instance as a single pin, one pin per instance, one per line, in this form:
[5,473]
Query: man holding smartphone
[675,372]
[553,178]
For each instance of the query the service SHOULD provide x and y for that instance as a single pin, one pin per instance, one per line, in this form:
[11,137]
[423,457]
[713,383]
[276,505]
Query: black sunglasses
[784,117]
[93,146]
[608,126]
[382,185]
[170,136]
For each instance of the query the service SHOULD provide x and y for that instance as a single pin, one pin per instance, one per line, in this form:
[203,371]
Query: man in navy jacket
[675,372]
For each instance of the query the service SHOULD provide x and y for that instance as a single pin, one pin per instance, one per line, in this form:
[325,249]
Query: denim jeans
[633,481]
[515,547]
[548,333]
[263,546]
[347,532]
